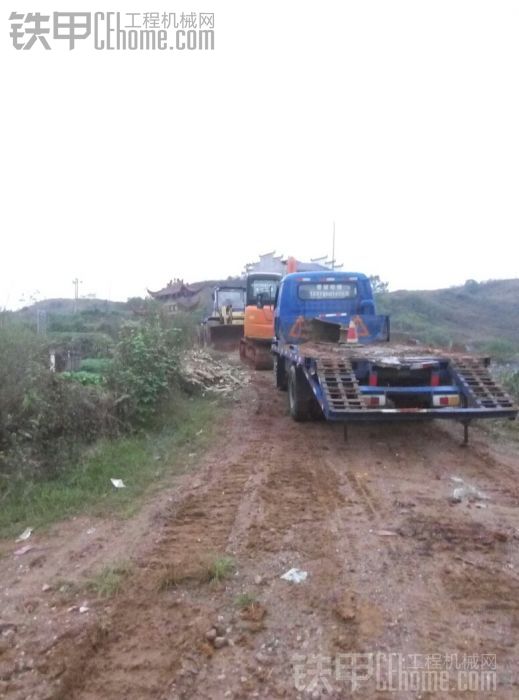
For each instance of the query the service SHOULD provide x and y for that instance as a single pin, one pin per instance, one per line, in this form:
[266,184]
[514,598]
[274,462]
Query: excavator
[255,346]
[223,329]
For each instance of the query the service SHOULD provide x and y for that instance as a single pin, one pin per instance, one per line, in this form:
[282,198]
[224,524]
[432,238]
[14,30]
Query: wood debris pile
[202,371]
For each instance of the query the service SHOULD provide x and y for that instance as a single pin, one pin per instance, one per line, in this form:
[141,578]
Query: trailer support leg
[345,432]
[465,435]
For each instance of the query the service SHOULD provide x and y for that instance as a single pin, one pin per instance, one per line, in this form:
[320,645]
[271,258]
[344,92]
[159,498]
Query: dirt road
[396,573]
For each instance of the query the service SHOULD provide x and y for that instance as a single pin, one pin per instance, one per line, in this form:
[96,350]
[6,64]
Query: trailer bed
[337,374]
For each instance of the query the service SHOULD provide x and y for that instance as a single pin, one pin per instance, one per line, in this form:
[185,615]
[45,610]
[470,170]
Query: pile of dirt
[205,372]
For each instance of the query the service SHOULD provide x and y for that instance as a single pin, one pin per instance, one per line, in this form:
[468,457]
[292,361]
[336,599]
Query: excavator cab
[261,292]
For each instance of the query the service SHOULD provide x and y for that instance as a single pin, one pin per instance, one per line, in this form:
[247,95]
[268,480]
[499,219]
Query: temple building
[178,296]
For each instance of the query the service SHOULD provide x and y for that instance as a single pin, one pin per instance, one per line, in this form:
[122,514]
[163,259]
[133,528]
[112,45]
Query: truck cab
[333,355]
[328,296]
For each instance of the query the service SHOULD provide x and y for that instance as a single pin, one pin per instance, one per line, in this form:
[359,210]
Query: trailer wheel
[280,373]
[299,395]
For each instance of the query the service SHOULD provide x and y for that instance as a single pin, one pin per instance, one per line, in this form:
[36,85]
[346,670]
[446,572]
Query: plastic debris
[25,535]
[23,550]
[295,575]
[386,533]
[467,493]
[456,479]
[84,608]
[118,483]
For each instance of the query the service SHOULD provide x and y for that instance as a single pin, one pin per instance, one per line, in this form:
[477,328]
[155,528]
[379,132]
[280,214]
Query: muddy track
[394,567]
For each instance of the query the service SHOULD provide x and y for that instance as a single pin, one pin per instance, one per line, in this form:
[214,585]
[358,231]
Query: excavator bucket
[225,336]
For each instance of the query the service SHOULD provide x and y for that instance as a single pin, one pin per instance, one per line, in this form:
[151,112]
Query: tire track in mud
[277,495]
[152,635]
[287,524]
[467,540]
[389,594]
[430,615]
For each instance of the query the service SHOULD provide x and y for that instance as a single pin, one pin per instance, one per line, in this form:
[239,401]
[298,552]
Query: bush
[47,418]
[499,349]
[82,377]
[145,367]
[511,382]
[186,327]
[43,416]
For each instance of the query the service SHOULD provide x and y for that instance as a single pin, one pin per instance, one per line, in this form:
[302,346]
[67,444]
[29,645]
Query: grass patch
[142,461]
[96,365]
[507,430]
[245,600]
[108,581]
[209,570]
[65,589]
[502,431]
[220,568]
[174,575]
[511,383]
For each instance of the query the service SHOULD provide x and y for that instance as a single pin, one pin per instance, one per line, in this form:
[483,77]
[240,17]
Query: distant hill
[67,306]
[483,315]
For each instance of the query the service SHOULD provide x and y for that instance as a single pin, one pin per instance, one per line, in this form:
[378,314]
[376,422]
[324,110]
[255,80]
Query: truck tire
[300,395]
[280,373]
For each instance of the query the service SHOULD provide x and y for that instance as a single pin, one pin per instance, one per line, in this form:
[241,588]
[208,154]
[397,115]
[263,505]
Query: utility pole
[76,282]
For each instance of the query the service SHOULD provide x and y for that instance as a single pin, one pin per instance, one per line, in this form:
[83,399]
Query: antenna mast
[333,247]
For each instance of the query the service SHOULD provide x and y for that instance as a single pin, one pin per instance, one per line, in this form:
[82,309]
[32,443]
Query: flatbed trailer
[376,380]
[358,383]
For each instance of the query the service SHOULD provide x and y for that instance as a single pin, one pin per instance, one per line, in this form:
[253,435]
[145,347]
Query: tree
[471,285]
[378,286]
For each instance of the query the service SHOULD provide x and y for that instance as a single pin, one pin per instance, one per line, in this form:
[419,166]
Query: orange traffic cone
[352,336]
[291,264]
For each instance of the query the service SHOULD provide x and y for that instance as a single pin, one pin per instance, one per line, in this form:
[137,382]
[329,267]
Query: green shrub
[85,378]
[499,349]
[144,368]
[47,418]
[96,365]
[511,382]
[43,416]
[185,326]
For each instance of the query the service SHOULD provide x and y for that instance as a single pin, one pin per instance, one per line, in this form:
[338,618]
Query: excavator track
[258,356]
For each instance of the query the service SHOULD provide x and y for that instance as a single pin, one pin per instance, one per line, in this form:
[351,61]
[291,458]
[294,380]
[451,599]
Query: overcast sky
[398,120]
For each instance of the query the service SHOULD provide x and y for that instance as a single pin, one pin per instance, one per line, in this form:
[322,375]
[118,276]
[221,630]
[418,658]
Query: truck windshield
[327,290]
[231,297]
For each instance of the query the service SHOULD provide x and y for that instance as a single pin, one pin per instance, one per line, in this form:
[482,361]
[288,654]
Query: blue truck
[333,354]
